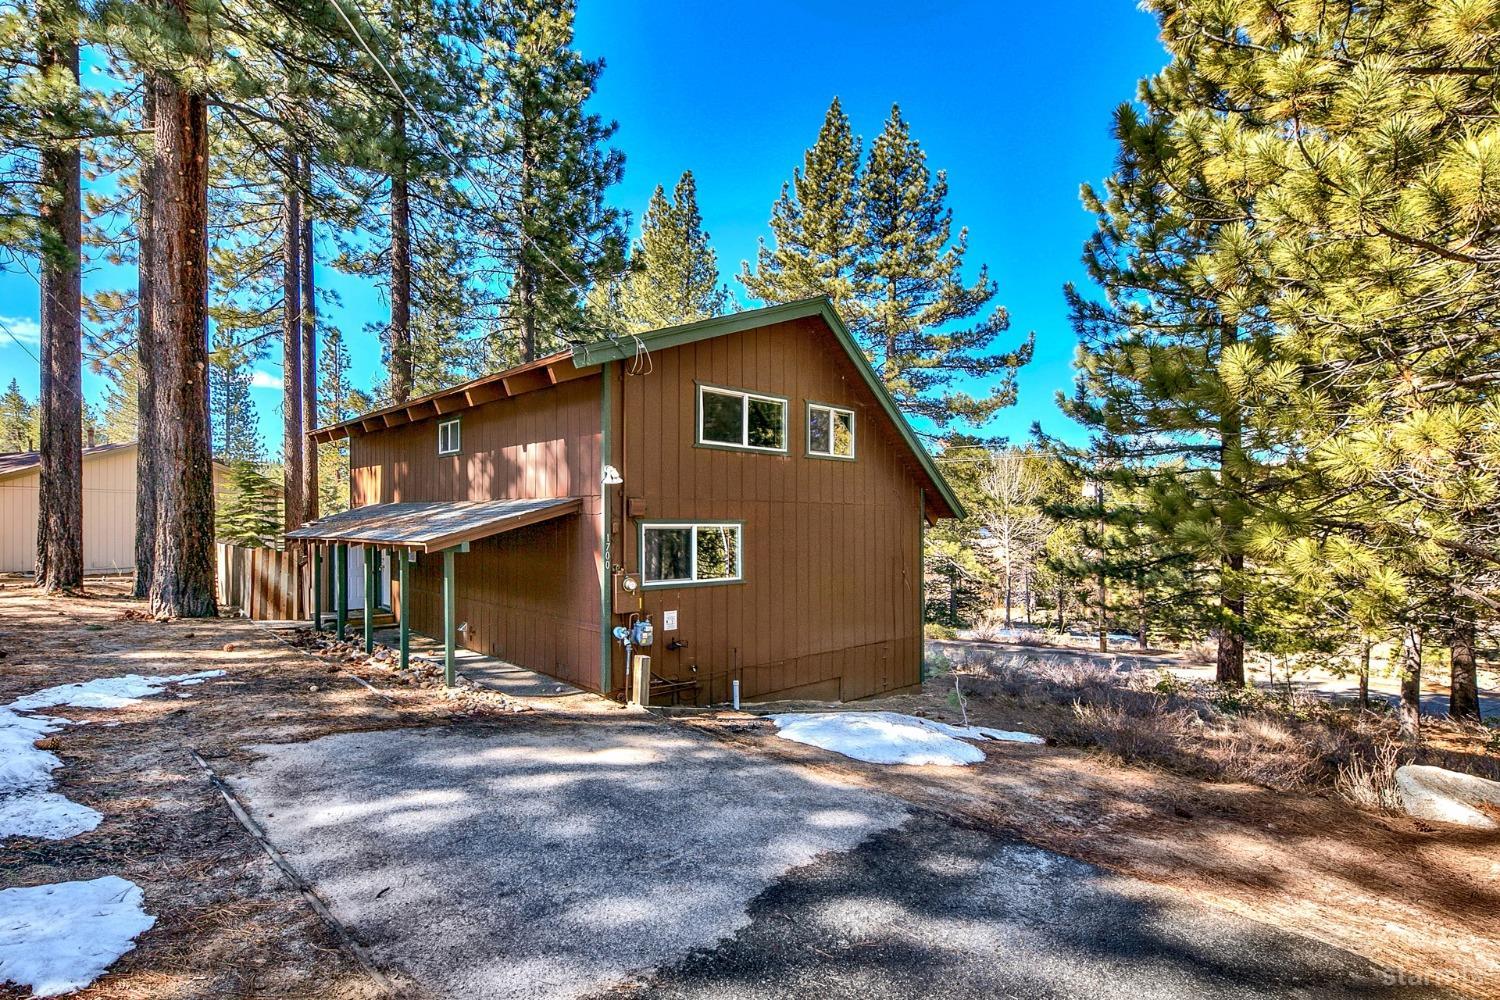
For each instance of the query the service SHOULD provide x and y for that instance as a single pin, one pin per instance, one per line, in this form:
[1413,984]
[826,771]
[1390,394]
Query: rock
[1444,796]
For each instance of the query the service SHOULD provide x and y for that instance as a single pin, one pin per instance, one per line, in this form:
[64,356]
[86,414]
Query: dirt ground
[1398,891]
[230,924]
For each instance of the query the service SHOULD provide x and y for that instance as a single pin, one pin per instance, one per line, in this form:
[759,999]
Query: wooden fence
[265,584]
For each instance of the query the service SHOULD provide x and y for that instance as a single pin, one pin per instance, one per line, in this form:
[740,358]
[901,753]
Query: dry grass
[1282,741]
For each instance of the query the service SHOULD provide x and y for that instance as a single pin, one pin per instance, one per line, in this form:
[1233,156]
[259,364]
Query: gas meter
[642,632]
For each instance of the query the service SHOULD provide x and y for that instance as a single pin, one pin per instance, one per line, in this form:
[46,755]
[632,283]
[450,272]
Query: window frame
[745,396]
[692,527]
[813,404]
[457,424]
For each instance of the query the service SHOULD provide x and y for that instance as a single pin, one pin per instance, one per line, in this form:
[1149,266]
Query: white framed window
[685,554]
[448,437]
[830,431]
[733,418]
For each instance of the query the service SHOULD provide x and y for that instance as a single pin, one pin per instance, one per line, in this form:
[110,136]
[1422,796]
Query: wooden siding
[530,596]
[829,603]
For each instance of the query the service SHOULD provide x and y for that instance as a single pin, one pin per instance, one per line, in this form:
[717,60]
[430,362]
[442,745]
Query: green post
[405,561]
[317,594]
[369,599]
[606,572]
[450,612]
[341,584]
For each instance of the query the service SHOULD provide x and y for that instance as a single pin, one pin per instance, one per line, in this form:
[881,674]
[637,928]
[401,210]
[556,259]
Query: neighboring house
[108,509]
[763,503]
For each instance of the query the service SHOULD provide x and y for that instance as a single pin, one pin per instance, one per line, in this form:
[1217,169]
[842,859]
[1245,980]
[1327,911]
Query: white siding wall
[108,515]
[18,514]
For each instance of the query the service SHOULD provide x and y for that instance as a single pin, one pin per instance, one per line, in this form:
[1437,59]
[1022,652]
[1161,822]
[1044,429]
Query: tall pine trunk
[1463,689]
[309,359]
[291,349]
[182,578]
[1409,713]
[1230,658]
[526,262]
[401,374]
[59,543]
[145,402]
[1364,674]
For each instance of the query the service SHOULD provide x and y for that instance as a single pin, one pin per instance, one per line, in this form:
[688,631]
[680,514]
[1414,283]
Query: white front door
[384,562]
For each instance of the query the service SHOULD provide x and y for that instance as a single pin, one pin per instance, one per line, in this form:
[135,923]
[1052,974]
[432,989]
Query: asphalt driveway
[556,857]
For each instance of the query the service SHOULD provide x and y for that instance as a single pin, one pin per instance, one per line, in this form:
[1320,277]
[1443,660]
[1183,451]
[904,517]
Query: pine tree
[1374,224]
[121,417]
[878,240]
[563,237]
[249,510]
[816,226]
[337,401]
[18,418]
[916,313]
[231,408]
[59,547]
[1151,379]
[675,272]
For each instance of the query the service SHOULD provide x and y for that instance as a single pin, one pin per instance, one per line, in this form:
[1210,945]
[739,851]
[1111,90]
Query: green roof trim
[623,348]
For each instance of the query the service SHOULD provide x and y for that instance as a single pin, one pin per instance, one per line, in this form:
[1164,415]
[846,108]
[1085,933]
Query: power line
[462,168]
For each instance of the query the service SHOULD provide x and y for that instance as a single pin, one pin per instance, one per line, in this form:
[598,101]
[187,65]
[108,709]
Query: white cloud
[265,380]
[23,328]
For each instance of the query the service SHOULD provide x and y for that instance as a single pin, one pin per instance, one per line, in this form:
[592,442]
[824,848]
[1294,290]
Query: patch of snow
[106,692]
[23,766]
[46,815]
[27,807]
[891,737]
[61,937]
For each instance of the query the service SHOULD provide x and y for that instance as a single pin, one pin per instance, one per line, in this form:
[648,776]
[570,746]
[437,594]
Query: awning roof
[432,526]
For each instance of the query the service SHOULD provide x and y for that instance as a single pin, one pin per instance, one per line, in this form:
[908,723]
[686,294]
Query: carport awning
[434,526]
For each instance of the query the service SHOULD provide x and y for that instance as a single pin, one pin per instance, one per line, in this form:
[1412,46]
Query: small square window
[830,431]
[448,437]
[681,554]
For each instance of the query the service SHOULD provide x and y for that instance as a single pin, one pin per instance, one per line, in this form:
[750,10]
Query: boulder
[1444,796]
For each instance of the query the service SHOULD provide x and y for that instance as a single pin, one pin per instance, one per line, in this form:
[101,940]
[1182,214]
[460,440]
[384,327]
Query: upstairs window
[448,437]
[830,431]
[676,555]
[729,418]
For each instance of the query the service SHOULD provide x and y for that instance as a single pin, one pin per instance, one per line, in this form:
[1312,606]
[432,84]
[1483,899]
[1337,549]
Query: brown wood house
[745,483]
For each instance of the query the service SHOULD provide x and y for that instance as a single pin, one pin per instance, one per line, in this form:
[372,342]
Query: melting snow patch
[106,692]
[46,815]
[891,738]
[59,938]
[27,808]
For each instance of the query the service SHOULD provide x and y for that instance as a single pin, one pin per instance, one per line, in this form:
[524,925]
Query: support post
[405,580]
[317,585]
[450,612]
[341,584]
[606,569]
[369,599]
[640,681]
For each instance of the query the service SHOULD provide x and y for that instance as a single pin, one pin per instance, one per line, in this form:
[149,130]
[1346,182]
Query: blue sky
[1014,101]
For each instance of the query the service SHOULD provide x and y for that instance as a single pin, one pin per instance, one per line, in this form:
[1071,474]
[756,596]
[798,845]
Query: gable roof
[625,347]
[554,369]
